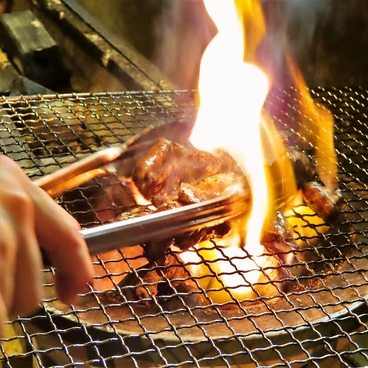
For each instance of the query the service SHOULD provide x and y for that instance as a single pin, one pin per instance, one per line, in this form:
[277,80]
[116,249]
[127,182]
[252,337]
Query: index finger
[58,234]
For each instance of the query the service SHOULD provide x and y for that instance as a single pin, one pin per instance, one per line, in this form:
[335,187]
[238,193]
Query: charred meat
[325,202]
[171,175]
[208,188]
[167,164]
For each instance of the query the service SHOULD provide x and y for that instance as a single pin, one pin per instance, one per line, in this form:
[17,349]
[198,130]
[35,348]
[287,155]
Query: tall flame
[232,94]
[230,119]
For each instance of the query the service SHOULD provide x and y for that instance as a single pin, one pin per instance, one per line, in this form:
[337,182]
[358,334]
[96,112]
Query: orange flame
[230,117]
[231,121]
[237,110]
[316,128]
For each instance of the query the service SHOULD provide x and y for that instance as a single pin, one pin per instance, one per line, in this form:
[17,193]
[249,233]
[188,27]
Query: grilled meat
[135,212]
[211,187]
[325,202]
[171,175]
[168,164]
[208,188]
[205,189]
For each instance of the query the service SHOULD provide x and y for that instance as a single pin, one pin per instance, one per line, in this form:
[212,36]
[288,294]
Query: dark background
[329,38]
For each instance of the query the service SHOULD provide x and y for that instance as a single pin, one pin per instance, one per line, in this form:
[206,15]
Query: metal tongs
[119,159]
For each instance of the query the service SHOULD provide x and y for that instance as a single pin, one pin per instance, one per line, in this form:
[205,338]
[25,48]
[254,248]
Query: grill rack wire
[43,133]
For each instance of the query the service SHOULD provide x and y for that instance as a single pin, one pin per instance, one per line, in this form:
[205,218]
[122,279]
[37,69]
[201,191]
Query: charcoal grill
[320,321]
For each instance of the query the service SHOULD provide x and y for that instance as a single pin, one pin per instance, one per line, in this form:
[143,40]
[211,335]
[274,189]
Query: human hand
[30,220]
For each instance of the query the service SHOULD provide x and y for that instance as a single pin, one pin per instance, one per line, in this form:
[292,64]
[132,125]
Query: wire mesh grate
[320,320]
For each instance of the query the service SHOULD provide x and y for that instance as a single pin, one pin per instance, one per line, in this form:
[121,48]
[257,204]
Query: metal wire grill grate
[321,320]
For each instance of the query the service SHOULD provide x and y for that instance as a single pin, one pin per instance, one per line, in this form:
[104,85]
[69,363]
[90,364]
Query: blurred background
[157,44]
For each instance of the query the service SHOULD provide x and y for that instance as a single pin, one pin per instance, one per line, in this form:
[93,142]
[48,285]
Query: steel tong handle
[79,172]
[148,227]
[164,224]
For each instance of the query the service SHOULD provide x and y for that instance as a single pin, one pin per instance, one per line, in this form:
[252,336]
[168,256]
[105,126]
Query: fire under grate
[320,321]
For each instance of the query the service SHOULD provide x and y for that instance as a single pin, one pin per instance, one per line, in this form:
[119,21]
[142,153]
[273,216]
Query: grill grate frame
[43,133]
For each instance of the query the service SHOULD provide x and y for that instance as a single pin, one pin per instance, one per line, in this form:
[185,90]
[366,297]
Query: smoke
[325,37]
[294,27]
[304,20]
[183,30]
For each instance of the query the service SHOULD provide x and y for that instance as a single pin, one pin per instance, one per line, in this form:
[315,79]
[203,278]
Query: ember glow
[233,125]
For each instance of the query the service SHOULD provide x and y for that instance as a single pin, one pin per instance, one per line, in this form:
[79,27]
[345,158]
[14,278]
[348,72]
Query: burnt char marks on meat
[135,212]
[153,169]
[212,187]
[208,188]
[167,164]
[325,202]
